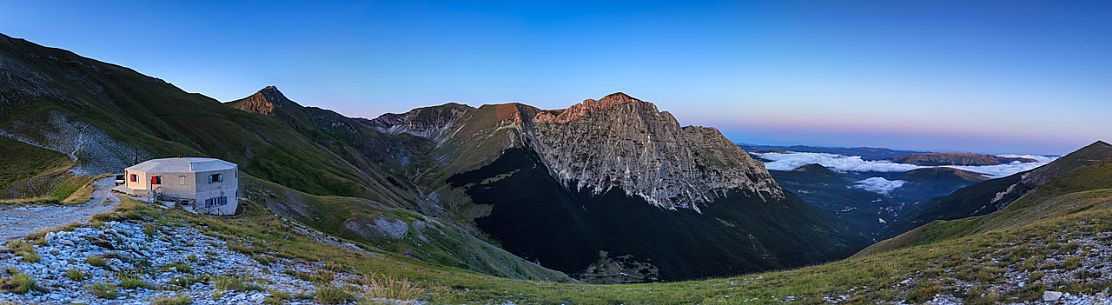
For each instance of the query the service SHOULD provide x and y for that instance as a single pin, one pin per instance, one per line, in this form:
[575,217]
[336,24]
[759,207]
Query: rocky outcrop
[617,142]
[263,101]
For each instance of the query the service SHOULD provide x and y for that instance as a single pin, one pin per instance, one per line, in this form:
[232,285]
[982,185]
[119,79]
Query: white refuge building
[201,185]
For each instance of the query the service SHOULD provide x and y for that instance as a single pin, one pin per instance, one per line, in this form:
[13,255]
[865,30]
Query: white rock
[1050,296]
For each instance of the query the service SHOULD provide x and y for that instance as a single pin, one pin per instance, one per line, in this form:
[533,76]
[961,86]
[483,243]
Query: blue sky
[988,76]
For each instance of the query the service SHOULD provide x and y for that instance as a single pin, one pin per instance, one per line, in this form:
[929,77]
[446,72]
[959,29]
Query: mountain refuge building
[199,185]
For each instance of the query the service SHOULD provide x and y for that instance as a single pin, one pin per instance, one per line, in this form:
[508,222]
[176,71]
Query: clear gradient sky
[1009,76]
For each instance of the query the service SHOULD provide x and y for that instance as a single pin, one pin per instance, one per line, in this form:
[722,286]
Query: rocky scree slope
[168,262]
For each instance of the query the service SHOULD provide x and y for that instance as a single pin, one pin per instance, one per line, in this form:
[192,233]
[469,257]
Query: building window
[156,180]
[216,178]
[216,201]
[134,178]
[181,180]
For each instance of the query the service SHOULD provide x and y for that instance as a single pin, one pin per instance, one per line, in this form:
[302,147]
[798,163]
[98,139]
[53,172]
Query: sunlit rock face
[617,142]
[625,143]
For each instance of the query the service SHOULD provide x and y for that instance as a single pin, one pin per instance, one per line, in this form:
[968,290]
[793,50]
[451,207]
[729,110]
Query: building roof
[182,165]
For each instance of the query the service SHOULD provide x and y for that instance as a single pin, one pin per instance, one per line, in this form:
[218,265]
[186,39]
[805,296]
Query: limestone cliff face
[617,142]
[621,142]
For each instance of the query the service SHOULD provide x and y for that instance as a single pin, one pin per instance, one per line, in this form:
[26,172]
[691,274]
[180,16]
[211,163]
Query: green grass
[20,161]
[187,281]
[38,175]
[24,250]
[225,283]
[182,267]
[76,275]
[104,290]
[179,299]
[332,295]
[75,189]
[130,281]
[19,282]
[387,287]
[96,261]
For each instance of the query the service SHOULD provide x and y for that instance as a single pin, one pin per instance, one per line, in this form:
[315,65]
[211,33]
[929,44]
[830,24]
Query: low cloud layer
[879,185]
[792,160]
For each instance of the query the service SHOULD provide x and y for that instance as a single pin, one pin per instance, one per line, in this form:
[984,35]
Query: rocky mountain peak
[264,101]
[618,100]
[617,143]
[620,142]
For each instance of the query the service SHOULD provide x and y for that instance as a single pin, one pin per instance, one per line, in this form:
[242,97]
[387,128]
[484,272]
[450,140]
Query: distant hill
[954,158]
[1026,196]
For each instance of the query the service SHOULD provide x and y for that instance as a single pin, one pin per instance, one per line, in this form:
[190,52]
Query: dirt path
[18,221]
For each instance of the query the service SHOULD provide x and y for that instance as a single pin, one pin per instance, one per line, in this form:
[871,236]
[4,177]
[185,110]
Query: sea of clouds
[792,160]
[879,185]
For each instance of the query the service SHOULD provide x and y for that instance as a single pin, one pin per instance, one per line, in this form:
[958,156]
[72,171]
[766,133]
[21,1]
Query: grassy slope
[1073,191]
[163,120]
[980,199]
[429,239]
[973,259]
[33,175]
[304,152]
[19,161]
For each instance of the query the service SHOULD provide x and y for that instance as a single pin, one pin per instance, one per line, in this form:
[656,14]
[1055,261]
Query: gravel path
[18,221]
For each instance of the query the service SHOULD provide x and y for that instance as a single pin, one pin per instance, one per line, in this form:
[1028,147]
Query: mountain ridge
[988,197]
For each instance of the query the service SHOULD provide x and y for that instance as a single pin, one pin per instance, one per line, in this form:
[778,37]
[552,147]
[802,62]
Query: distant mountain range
[950,158]
[896,156]
[866,153]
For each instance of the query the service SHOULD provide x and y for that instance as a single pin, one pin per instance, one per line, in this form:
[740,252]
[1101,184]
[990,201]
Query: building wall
[177,185]
[228,188]
[195,186]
